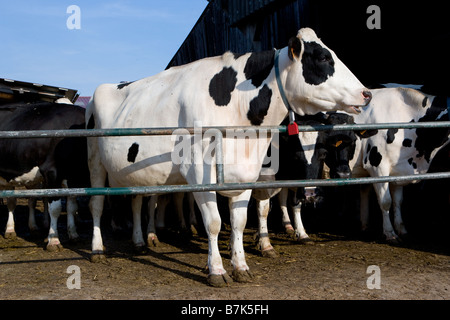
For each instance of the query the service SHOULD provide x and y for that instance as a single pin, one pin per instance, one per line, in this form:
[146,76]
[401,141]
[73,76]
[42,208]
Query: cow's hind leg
[72,208]
[10,231]
[55,207]
[207,204]
[98,178]
[397,199]
[264,244]
[138,240]
[32,225]
[238,217]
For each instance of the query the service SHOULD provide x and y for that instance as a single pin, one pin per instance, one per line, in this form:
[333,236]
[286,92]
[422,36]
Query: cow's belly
[31,179]
[139,161]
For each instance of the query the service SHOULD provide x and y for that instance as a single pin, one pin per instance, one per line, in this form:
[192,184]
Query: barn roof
[20,91]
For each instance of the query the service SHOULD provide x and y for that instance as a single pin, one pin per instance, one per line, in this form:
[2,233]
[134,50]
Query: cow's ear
[295,46]
[366,133]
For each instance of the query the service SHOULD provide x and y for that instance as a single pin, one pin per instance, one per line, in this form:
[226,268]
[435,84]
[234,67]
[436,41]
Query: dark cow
[230,90]
[395,152]
[43,162]
[301,158]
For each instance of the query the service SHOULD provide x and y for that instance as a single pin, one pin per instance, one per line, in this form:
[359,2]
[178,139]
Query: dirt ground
[334,267]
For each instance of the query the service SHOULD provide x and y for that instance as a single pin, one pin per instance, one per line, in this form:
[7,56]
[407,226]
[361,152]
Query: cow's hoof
[219,280]
[306,240]
[54,247]
[152,241]
[98,257]
[10,235]
[242,275]
[269,253]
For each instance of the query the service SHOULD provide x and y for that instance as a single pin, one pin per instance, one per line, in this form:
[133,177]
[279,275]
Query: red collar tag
[292,128]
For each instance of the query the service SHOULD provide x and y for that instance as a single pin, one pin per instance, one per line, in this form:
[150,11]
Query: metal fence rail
[220,186]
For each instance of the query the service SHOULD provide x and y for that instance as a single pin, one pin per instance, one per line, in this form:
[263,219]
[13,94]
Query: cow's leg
[136,206]
[282,197]
[300,232]
[46,221]
[192,218]
[10,228]
[207,203]
[32,215]
[238,218]
[98,178]
[161,211]
[72,208]
[152,239]
[385,201]
[55,207]
[264,242]
[364,207]
[179,197]
[397,199]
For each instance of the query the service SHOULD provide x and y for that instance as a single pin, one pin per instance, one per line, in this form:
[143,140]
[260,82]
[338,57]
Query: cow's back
[400,151]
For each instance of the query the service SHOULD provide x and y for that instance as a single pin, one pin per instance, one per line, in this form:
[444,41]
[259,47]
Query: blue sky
[118,40]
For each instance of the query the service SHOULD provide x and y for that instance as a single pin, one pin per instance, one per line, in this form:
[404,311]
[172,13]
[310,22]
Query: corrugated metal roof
[21,91]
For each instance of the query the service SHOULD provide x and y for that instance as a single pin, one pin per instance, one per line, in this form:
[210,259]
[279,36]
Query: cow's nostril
[367,96]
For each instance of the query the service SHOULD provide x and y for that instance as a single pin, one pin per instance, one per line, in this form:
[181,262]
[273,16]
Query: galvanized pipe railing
[221,185]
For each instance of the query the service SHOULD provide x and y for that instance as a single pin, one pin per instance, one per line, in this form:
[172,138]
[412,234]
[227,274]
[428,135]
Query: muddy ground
[334,267]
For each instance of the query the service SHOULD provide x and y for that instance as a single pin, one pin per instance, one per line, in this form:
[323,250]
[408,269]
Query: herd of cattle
[253,89]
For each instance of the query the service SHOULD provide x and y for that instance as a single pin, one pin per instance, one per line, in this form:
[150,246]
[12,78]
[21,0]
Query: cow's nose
[344,175]
[367,96]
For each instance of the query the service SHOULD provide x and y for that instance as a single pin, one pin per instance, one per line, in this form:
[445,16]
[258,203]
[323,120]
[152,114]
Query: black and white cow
[229,90]
[301,158]
[43,162]
[395,152]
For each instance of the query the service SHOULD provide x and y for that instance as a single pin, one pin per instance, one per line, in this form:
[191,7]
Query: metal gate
[220,185]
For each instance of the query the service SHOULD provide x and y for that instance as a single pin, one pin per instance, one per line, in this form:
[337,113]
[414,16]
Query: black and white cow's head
[317,80]
[341,145]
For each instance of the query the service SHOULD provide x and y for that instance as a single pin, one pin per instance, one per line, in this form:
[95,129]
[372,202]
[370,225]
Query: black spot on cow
[317,62]
[259,106]
[124,84]
[391,135]
[375,157]
[424,102]
[221,86]
[258,66]
[407,143]
[132,152]
[428,139]
[412,163]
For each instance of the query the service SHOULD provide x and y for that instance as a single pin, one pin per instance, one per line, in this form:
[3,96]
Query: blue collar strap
[292,127]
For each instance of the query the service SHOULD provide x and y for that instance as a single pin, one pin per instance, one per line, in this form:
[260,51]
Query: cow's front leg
[55,207]
[207,204]
[238,218]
